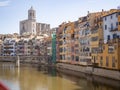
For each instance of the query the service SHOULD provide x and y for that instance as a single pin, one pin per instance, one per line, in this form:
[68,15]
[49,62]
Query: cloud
[4,3]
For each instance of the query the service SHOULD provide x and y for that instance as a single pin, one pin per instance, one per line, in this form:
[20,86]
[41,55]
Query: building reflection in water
[9,75]
[46,78]
[90,82]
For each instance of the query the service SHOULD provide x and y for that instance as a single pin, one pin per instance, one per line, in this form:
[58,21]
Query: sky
[53,12]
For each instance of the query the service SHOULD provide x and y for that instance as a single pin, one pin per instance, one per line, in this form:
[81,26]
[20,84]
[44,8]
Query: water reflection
[89,82]
[46,78]
[9,75]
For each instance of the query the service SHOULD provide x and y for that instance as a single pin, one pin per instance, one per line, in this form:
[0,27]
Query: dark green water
[33,78]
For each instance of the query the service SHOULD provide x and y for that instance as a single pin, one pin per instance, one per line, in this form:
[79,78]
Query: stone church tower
[31,14]
[29,26]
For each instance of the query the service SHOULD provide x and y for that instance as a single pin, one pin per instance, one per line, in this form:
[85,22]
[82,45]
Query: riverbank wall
[96,80]
[25,59]
[112,74]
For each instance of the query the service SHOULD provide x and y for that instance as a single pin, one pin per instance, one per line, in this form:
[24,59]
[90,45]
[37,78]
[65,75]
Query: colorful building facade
[91,40]
[110,57]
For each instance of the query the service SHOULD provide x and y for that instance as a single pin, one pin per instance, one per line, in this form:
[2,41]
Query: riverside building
[110,56]
[9,47]
[91,40]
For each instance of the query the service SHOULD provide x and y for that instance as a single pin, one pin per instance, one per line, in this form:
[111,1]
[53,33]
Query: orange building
[110,57]
[66,42]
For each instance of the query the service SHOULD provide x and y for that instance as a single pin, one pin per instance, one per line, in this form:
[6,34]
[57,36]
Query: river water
[28,77]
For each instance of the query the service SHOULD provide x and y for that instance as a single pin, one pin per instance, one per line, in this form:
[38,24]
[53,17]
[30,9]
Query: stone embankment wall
[90,70]
[107,73]
[25,59]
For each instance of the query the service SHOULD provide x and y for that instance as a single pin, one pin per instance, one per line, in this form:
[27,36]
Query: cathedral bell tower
[31,14]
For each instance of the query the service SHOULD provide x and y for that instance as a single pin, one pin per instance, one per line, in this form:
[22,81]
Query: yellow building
[110,57]
[96,36]
[66,45]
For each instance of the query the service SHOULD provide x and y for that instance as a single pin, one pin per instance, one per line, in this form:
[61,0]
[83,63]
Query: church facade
[30,26]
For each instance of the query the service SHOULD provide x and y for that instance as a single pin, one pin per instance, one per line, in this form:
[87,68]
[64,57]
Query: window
[111,16]
[76,51]
[111,26]
[105,27]
[119,13]
[116,23]
[116,14]
[64,49]
[107,61]
[114,36]
[118,36]
[65,29]
[60,57]
[113,61]
[77,58]
[61,50]
[108,37]
[105,18]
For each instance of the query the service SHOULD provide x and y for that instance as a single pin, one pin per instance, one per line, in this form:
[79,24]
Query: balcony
[113,30]
[111,49]
[115,40]
[94,31]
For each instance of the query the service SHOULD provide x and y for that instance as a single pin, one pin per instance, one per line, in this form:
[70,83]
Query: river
[29,77]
